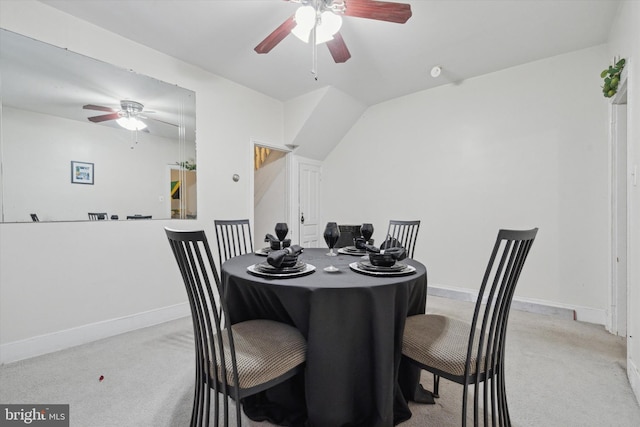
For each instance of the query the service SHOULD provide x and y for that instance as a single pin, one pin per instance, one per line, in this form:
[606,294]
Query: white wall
[625,42]
[76,280]
[520,148]
[129,177]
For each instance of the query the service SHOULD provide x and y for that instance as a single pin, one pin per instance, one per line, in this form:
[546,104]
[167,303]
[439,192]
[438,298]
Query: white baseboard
[583,314]
[36,346]
[634,378]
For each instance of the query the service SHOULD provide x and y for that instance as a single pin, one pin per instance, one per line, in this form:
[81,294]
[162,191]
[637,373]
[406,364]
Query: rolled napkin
[390,242]
[270,238]
[398,253]
[277,258]
[371,248]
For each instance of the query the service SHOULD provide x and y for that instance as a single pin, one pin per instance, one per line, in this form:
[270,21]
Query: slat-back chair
[406,232]
[473,353]
[234,238]
[236,361]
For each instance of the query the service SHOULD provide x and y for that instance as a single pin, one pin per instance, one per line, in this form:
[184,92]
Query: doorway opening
[270,190]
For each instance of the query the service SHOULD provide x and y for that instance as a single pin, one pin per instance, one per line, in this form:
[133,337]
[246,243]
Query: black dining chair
[406,232]
[34,217]
[97,216]
[473,353]
[234,238]
[347,234]
[236,361]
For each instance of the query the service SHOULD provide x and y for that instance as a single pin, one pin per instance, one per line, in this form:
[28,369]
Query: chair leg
[436,385]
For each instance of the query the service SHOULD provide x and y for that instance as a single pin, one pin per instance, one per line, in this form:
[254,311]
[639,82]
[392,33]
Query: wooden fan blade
[104,118]
[379,10]
[338,48]
[99,108]
[276,36]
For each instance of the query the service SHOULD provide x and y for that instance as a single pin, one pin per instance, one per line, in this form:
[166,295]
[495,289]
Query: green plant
[186,165]
[611,78]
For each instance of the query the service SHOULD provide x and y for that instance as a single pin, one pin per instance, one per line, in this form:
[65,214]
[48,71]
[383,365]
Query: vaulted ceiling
[467,38]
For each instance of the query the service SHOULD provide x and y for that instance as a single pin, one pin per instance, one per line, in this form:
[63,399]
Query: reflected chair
[234,238]
[97,216]
[406,232]
[473,353]
[236,361]
[34,218]
[138,216]
[347,234]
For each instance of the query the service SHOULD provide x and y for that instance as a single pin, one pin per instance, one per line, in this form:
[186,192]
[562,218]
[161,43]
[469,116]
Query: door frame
[287,178]
[615,324]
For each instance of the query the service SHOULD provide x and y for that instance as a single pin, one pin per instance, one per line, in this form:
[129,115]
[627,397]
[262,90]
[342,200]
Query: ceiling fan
[320,20]
[128,116]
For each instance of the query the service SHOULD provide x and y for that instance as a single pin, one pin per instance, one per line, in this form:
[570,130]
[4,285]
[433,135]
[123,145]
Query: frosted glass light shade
[131,123]
[328,24]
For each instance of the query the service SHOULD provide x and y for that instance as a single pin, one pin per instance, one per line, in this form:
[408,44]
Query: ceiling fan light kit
[326,24]
[129,116]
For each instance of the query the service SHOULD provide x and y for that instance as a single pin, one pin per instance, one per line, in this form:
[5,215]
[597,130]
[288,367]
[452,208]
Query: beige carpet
[559,373]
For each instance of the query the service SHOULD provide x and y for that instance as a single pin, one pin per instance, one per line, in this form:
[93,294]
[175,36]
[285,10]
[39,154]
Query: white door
[309,186]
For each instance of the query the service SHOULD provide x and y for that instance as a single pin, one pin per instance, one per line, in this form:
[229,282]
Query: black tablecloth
[353,324]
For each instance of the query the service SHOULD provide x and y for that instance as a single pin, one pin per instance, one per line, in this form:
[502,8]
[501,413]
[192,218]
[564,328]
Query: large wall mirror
[79,135]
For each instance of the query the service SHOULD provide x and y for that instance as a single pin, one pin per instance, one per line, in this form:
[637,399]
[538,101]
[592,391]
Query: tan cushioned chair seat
[439,342]
[264,350]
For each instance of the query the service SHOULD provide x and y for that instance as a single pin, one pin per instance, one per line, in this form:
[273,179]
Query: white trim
[566,311]
[634,378]
[36,346]
[613,323]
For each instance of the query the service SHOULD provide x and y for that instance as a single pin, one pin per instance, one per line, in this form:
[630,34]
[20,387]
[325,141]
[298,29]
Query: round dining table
[353,324]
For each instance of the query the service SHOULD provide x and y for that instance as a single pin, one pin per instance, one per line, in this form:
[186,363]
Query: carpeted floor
[559,373]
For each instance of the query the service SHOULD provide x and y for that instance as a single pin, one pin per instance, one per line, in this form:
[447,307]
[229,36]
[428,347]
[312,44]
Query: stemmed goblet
[367,231]
[331,236]
[281,231]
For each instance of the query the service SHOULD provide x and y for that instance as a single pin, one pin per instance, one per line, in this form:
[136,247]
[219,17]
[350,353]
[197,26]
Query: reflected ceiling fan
[129,116]
[320,20]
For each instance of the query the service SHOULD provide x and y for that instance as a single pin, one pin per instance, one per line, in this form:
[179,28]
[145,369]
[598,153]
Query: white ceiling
[467,38]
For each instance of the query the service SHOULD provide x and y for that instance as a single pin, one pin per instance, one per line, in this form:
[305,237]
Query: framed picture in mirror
[81,173]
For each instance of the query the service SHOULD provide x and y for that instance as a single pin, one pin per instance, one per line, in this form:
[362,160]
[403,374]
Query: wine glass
[331,236]
[367,231]
[281,231]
